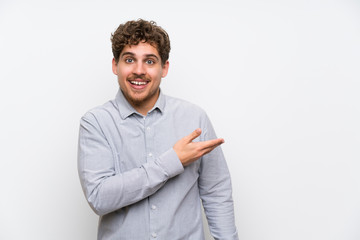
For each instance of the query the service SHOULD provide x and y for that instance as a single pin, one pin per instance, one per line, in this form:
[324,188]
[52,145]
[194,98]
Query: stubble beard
[140,101]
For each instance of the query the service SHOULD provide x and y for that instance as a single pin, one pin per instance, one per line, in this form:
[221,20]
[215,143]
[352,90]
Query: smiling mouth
[138,83]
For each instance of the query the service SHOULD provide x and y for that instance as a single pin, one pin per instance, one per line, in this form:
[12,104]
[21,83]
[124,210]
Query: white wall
[279,79]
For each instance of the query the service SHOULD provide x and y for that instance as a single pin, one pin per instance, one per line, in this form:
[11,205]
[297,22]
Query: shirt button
[150,154]
[154,235]
[148,128]
[153,207]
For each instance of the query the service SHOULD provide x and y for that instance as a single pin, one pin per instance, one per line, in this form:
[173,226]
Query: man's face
[139,71]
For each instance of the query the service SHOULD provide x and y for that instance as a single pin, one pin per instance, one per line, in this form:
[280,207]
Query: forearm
[108,194]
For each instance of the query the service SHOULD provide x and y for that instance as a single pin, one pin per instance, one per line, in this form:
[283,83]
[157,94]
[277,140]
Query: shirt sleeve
[216,190]
[107,191]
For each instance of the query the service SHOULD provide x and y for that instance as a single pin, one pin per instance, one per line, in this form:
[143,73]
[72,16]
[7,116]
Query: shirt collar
[125,108]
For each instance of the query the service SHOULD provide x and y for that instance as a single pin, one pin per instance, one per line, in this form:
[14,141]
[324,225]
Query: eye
[150,62]
[129,60]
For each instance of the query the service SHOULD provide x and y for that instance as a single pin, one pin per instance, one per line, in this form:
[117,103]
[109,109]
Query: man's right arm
[104,188]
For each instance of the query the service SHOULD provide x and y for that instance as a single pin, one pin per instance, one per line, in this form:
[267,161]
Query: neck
[145,105]
[142,108]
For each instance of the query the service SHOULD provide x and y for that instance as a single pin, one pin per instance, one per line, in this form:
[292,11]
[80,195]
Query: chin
[137,100]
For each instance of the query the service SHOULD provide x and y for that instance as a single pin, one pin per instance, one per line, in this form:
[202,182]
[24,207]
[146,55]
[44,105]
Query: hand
[189,151]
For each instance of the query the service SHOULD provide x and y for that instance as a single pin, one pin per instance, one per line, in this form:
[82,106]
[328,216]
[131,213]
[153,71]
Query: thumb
[194,135]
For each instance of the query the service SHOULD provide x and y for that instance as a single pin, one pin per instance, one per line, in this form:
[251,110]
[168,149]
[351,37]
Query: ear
[165,69]
[114,66]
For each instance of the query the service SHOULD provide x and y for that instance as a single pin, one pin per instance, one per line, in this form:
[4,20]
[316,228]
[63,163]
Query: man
[140,170]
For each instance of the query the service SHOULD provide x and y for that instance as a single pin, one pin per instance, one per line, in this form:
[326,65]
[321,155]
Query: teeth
[138,83]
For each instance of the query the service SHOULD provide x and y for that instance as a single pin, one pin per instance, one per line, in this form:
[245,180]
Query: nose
[139,68]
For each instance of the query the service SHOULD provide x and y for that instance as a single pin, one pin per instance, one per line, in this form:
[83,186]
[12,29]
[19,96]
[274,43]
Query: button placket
[150,155]
[154,220]
[149,137]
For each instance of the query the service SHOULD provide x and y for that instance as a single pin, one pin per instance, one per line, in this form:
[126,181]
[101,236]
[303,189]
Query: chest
[137,140]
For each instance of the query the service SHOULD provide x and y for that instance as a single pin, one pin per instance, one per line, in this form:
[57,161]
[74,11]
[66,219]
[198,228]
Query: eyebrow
[146,55]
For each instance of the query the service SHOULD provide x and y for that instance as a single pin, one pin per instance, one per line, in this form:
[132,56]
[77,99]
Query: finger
[194,135]
[212,147]
[211,143]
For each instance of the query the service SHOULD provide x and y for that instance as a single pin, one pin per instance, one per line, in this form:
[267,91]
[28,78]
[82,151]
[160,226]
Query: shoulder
[104,111]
